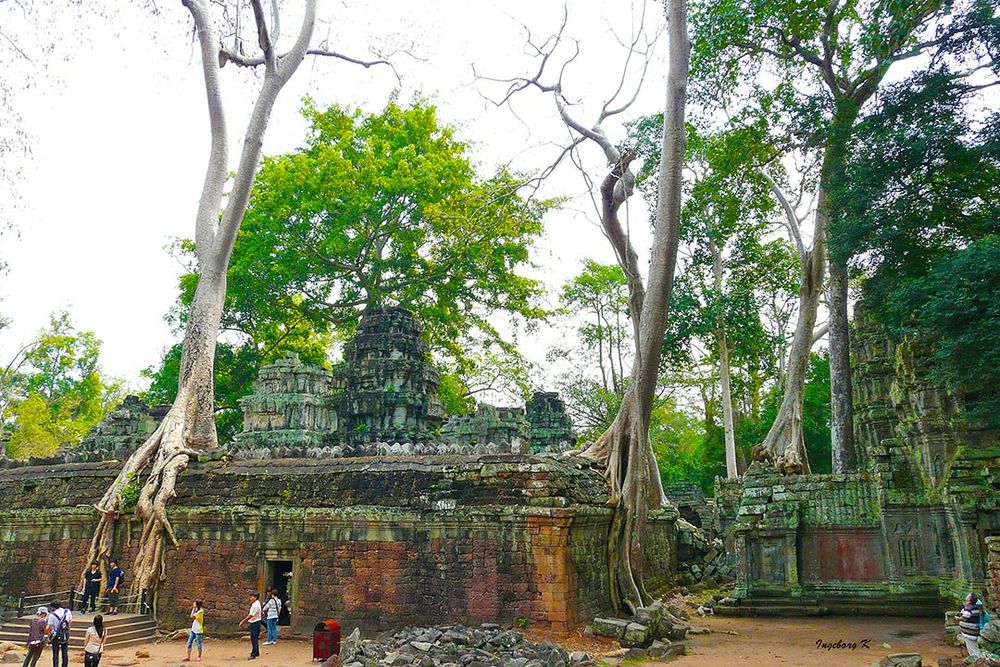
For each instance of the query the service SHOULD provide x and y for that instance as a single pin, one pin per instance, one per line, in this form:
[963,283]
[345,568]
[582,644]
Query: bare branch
[263,38]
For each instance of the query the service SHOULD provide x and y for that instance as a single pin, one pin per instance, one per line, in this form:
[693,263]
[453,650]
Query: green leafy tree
[924,235]
[380,209]
[813,67]
[602,346]
[54,391]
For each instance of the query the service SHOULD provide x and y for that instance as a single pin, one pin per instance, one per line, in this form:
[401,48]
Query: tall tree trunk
[189,426]
[625,449]
[841,396]
[732,469]
[784,442]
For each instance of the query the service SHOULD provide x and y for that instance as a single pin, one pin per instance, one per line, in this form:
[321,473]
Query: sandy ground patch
[779,641]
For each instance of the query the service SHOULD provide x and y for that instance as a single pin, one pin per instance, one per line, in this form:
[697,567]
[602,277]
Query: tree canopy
[52,392]
[376,209]
[924,235]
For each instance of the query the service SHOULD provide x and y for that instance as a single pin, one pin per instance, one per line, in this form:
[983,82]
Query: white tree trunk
[189,425]
[625,449]
[729,432]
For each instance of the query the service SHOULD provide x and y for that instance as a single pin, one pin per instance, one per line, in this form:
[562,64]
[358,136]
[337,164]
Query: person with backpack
[59,623]
[38,632]
[272,608]
[116,580]
[93,642]
[968,624]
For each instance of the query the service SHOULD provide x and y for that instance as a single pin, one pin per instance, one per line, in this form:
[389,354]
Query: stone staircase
[772,607]
[123,629]
[914,604]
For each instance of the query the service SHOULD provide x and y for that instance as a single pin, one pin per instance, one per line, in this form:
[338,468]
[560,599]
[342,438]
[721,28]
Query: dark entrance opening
[279,578]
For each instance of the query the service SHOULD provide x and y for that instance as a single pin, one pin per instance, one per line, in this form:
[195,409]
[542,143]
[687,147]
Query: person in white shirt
[272,608]
[253,618]
[59,636]
[93,642]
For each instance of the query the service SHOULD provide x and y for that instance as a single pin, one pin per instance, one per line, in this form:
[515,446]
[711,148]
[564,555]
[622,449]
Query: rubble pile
[488,645]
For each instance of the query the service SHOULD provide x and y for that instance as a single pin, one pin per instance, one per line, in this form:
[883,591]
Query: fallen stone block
[613,628]
[636,635]
[662,650]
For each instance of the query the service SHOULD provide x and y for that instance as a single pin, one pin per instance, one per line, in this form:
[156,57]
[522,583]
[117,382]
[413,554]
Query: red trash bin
[326,639]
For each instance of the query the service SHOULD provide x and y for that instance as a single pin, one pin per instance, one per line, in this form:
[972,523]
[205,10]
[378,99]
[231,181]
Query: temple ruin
[909,533]
[349,492]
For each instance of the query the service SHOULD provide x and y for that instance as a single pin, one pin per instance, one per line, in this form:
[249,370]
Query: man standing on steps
[59,624]
[91,587]
[253,618]
[115,580]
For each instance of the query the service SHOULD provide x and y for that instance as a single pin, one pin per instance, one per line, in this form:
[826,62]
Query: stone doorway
[279,577]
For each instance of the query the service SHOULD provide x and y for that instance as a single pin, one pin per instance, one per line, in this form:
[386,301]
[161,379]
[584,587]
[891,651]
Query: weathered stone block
[613,628]
[636,635]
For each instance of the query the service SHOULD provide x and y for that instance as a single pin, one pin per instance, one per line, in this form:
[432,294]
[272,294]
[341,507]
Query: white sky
[119,138]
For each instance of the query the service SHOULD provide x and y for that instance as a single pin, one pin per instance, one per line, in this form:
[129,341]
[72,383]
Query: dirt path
[793,641]
[762,642]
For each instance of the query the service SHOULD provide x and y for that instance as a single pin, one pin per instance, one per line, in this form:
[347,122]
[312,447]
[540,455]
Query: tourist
[253,618]
[93,642]
[272,607]
[968,624]
[59,623]
[197,628]
[115,580]
[38,632]
[91,587]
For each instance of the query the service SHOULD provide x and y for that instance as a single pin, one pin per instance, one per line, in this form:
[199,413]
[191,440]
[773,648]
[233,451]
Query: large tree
[375,209]
[624,449]
[821,62]
[188,427]
[381,209]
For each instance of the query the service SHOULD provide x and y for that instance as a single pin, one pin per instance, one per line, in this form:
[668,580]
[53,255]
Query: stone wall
[992,590]
[376,543]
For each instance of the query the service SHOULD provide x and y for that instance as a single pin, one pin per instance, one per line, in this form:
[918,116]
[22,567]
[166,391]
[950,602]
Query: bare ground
[733,641]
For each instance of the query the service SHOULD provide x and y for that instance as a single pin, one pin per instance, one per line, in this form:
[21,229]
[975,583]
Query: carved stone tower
[390,383]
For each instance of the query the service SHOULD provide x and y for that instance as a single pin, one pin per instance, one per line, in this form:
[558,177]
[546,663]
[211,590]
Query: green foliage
[53,392]
[130,493]
[380,209]
[386,209]
[683,448]
[924,235]
[597,362]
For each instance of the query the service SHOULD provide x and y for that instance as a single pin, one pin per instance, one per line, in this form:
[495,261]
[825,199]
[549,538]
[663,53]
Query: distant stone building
[390,383]
[119,434]
[550,425]
[384,401]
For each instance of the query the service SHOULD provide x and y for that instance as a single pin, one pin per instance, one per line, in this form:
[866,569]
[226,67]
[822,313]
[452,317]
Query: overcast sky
[118,138]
